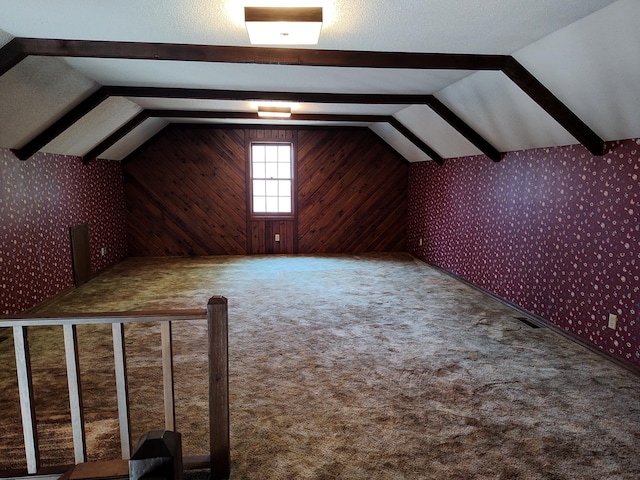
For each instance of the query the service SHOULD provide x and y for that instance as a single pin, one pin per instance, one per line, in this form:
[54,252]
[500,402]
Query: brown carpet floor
[352,367]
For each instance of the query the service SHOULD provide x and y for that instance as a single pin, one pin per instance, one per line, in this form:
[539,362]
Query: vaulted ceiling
[433,79]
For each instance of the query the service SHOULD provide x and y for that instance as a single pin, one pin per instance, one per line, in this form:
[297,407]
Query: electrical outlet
[277,237]
[103,251]
[420,243]
[613,321]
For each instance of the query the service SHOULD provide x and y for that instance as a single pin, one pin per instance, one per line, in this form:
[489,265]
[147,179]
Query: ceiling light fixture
[274,112]
[283,25]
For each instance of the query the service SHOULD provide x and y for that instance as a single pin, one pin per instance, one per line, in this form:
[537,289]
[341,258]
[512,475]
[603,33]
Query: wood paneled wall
[352,193]
[186,193]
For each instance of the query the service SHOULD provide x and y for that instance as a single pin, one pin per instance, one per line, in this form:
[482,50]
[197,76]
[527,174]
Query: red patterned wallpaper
[555,231]
[39,200]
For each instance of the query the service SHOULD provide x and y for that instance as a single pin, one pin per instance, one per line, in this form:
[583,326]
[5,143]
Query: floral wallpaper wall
[555,231]
[39,200]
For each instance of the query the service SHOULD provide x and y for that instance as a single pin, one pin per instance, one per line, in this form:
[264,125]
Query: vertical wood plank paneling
[186,194]
[286,230]
[268,235]
[258,240]
[263,236]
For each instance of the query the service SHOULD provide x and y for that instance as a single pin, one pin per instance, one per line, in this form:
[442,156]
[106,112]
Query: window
[271,179]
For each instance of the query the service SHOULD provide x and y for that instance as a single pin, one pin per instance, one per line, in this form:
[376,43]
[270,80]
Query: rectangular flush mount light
[283,25]
[274,112]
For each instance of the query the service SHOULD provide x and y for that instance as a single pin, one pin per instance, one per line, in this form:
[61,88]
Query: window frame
[250,177]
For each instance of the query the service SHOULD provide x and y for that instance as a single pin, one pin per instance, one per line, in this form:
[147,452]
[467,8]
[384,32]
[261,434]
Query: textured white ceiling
[5,37]
[274,78]
[595,64]
[584,51]
[35,93]
[591,66]
[465,26]
[502,113]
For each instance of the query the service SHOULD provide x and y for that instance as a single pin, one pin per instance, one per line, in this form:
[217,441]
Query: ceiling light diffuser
[283,25]
[274,112]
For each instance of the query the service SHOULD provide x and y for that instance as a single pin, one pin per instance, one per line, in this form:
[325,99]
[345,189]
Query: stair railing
[216,314]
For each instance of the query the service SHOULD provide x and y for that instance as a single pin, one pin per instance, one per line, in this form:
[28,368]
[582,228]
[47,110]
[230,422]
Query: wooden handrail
[102,318]
[217,325]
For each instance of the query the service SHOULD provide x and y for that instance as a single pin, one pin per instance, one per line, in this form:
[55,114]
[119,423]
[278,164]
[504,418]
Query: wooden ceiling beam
[319,117]
[247,95]
[11,54]
[464,129]
[202,114]
[204,94]
[553,106]
[114,137]
[19,48]
[417,141]
[269,56]
[84,107]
